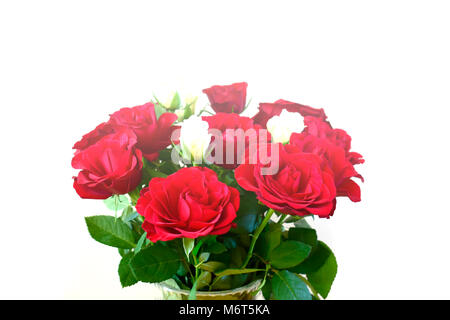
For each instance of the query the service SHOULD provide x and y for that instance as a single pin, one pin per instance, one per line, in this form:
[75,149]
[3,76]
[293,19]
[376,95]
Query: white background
[379,68]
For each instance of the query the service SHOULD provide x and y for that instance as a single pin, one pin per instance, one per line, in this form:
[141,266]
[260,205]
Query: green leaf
[268,240]
[193,292]
[267,289]
[229,272]
[159,110]
[140,243]
[222,283]
[245,239]
[289,254]
[204,279]
[188,246]
[110,231]
[305,235]
[134,195]
[322,279]
[150,171]
[188,112]
[128,214]
[212,266]
[204,256]
[123,252]
[229,243]
[224,258]
[238,280]
[249,215]
[127,278]
[122,202]
[216,248]
[176,101]
[302,224]
[287,286]
[238,256]
[182,271]
[155,264]
[316,259]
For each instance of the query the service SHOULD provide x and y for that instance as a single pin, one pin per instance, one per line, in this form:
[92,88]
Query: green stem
[256,235]
[116,204]
[186,265]
[204,110]
[214,282]
[180,250]
[262,282]
[196,267]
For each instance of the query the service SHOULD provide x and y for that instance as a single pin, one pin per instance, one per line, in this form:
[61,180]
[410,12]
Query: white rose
[194,139]
[281,127]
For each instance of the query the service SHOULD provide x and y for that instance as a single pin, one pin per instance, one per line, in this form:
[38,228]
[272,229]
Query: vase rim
[254,284]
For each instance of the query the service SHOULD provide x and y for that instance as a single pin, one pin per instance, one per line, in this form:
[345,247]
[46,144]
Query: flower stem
[196,265]
[256,235]
[116,204]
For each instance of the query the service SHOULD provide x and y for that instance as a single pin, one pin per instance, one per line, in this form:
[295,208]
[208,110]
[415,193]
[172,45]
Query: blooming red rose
[230,98]
[332,156]
[300,187]
[152,134]
[268,110]
[337,137]
[110,166]
[189,203]
[237,133]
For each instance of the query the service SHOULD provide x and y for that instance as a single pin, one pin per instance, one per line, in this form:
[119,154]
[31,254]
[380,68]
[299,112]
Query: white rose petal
[194,139]
[281,127]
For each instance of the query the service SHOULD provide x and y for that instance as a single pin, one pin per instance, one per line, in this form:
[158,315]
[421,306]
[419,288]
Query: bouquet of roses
[211,202]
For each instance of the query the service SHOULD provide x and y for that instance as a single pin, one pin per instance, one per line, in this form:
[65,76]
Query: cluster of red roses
[315,167]
[110,156]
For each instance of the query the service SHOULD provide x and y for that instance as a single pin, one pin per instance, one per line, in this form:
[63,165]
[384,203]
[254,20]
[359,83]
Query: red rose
[152,134]
[110,166]
[228,124]
[338,137]
[189,203]
[92,137]
[268,110]
[300,187]
[229,98]
[333,156]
